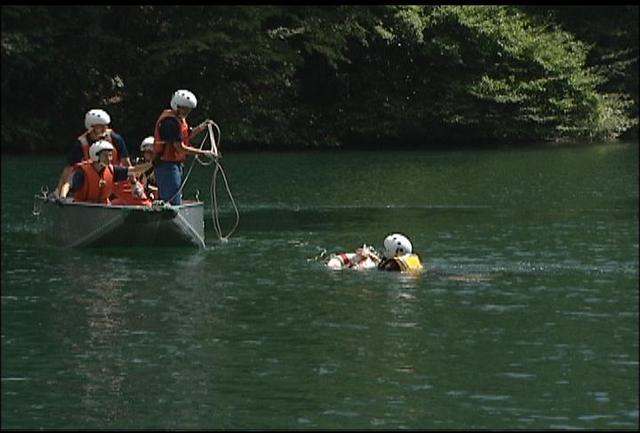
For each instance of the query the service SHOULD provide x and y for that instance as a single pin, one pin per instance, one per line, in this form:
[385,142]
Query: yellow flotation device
[409,263]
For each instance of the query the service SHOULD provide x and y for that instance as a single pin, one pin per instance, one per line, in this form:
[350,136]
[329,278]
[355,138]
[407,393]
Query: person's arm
[121,174]
[75,155]
[136,170]
[64,177]
[368,252]
[170,133]
[74,180]
[64,189]
[198,129]
[193,150]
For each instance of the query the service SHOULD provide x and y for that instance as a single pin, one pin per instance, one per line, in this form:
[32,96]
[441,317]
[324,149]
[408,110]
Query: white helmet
[147,143]
[97,147]
[183,98]
[395,245]
[96,117]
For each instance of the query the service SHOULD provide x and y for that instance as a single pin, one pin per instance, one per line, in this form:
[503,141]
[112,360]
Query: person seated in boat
[147,178]
[398,255]
[172,145]
[96,122]
[92,181]
[361,259]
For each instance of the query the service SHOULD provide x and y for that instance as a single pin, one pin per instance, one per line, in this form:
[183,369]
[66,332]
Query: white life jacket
[351,261]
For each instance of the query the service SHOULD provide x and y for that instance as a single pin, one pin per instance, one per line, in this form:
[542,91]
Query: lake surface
[526,316]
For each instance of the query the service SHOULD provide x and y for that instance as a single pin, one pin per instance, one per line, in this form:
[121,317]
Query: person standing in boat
[97,123]
[172,145]
[93,180]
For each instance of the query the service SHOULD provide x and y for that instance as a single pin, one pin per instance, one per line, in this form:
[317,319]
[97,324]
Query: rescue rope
[212,189]
[215,217]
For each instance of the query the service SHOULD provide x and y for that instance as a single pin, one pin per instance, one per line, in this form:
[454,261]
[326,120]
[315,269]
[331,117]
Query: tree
[316,76]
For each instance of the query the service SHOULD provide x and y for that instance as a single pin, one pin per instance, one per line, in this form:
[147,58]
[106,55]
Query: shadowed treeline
[323,76]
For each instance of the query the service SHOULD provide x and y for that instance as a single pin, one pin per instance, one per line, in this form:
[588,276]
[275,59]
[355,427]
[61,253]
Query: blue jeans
[169,179]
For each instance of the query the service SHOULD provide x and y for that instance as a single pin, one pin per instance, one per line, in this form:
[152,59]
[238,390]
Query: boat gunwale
[185,204]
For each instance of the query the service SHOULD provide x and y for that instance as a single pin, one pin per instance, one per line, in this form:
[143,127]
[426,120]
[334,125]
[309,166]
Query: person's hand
[204,124]
[367,252]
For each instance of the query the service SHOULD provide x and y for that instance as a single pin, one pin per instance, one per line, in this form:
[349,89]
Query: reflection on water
[526,315]
[104,311]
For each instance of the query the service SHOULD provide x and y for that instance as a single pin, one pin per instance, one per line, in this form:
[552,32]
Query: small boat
[81,224]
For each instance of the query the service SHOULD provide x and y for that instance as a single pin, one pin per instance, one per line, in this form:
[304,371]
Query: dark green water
[527,316]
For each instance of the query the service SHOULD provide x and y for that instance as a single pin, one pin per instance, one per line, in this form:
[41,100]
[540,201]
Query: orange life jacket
[92,190]
[167,151]
[85,146]
[128,197]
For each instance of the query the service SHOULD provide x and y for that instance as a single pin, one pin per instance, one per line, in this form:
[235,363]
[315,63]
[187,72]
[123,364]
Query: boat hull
[92,225]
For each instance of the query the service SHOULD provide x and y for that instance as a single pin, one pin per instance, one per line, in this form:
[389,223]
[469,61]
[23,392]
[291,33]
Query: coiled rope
[212,189]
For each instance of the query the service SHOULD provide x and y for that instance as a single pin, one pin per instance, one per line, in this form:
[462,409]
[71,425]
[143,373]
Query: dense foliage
[319,76]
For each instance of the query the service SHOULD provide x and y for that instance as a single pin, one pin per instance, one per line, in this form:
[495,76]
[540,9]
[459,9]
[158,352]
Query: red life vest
[85,146]
[128,197]
[91,189]
[121,188]
[167,151]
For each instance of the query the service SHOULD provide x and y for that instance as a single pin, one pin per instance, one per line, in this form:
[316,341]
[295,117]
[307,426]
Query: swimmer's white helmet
[396,245]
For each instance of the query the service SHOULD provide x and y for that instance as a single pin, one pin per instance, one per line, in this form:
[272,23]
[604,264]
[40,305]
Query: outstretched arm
[139,169]
[194,151]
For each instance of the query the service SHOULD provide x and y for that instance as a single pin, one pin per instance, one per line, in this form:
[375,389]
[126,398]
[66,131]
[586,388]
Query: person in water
[398,256]
[361,259]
